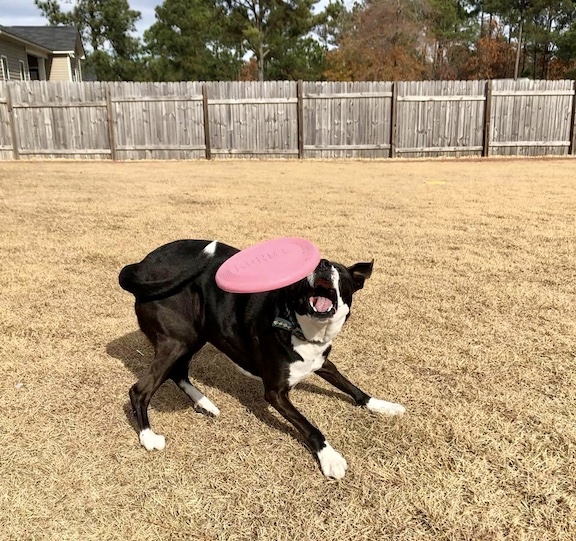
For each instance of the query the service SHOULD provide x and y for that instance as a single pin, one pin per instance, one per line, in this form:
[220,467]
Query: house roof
[8,32]
[54,38]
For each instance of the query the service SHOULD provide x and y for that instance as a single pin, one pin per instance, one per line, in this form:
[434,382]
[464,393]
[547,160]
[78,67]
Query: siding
[75,64]
[48,68]
[14,53]
[59,70]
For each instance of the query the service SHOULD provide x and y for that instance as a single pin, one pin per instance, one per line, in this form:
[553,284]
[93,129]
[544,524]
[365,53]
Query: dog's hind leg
[168,352]
[179,374]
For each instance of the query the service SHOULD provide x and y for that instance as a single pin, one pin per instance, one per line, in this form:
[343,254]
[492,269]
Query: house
[40,53]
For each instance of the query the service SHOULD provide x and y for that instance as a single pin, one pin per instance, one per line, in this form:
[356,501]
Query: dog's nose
[324,270]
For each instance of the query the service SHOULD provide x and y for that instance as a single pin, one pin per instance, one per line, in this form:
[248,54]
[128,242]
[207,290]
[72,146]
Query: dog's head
[327,292]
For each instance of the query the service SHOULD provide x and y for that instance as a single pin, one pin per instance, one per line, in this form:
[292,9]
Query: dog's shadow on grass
[209,368]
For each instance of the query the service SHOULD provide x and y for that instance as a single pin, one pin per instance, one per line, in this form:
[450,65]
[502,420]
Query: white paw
[205,404]
[150,440]
[332,463]
[387,408]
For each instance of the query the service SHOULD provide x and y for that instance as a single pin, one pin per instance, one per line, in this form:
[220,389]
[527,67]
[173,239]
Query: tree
[188,41]
[382,40]
[567,45]
[105,26]
[565,63]
[332,22]
[491,56]
[547,21]
[535,27]
[274,31]
[450,33]
[304,59]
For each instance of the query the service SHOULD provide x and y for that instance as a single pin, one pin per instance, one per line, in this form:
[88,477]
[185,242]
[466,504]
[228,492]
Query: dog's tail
[170,267]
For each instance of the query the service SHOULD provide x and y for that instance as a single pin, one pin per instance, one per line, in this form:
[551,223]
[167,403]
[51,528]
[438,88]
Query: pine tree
[277,33]
[188,42]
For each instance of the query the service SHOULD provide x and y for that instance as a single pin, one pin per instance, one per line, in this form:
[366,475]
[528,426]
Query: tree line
[296,39]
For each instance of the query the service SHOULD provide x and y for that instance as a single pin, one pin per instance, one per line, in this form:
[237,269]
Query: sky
[25,13]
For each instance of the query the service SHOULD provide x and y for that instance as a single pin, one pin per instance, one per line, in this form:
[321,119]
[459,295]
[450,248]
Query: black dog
[280,336]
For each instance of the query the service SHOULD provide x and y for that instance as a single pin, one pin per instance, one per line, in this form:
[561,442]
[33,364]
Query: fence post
[208,149]
[110,116]
[13,132]
[393,120]
[487,114]
[300,118]
[572,149]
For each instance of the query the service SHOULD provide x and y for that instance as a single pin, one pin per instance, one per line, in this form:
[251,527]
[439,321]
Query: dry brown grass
[469,321]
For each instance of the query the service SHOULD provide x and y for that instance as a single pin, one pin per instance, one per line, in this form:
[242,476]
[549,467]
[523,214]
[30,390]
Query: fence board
[250,118]
[282,119]
[435,117]
[347,120]
[158,120]
[8,149]
[572,149]
[53,119]
[527,112]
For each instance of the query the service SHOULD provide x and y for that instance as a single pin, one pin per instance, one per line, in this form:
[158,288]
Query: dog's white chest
[312,359]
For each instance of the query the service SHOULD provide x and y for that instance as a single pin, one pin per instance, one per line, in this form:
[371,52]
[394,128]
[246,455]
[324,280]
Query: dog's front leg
[332,462]
[331,374]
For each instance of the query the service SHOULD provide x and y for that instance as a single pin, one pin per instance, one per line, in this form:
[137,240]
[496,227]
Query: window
[34,67]
[23,71]
[5,70]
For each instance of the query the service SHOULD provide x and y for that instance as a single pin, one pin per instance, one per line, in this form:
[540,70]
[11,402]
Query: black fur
[180,308]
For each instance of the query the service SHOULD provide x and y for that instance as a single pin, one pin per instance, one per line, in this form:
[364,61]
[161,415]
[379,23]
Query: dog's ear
[360,272]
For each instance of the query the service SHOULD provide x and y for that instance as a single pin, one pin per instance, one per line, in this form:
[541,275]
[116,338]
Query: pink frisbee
[269,265]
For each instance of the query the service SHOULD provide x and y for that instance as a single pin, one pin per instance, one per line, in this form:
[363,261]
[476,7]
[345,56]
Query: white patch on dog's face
[310,279]
[151,441]
[332,463]
[210,249]
[324,330]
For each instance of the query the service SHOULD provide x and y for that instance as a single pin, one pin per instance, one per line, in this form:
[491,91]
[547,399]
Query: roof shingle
[55,38]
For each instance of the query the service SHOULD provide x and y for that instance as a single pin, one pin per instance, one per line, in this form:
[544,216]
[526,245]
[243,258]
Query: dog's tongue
[322,304]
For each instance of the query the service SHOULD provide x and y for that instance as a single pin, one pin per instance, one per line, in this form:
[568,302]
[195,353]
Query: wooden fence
[127,121]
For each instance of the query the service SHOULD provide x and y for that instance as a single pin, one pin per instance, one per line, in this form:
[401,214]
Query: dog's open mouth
[323,299]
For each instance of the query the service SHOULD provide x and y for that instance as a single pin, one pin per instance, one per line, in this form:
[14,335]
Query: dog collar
[288,323]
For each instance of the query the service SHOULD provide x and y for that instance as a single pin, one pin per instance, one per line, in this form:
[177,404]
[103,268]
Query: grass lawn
[469,321]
